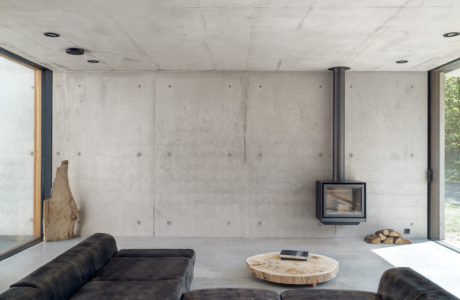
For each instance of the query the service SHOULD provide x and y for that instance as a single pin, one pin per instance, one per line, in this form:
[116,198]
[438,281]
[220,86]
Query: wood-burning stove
[340,202]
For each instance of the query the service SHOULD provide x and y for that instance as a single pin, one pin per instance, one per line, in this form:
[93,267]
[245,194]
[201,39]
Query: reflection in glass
[17,88]
[452,158]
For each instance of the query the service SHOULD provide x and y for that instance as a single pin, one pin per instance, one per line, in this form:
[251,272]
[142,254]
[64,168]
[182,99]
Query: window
[444,160]
[22,174]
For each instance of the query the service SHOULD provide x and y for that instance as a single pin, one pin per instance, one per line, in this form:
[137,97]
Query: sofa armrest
[405,283]
[61,277]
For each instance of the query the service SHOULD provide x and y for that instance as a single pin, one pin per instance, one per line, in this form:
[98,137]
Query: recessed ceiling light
[75,51]
[402,61]
[93,61]
[451,34]
[51,34]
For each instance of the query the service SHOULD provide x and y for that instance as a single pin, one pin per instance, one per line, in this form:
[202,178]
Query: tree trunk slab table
[270,267]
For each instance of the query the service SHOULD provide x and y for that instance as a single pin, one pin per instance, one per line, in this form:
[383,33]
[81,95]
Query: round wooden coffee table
[270,267]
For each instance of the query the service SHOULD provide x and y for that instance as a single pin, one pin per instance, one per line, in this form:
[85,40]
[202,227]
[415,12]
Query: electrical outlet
[406,230]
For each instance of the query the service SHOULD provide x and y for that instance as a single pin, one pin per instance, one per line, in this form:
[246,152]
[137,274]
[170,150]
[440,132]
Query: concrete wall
[229,154]
[16,148]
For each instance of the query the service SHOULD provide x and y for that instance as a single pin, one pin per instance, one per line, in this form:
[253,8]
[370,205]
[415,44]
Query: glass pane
[343,200]
[452,158]
[16,153]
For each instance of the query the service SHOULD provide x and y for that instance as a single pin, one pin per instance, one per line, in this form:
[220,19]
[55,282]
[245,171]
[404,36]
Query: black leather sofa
[94,269]
[395,284]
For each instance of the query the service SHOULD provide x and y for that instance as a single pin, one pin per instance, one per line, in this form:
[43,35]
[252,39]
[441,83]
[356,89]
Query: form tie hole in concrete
[169,223]
[260,86]
[259,223]
[412,86]
[58,153]
[79,153]
[139,154]
[320,154]
[169,154]
[351,86]
[412,155]
[260,155]
[31,153]
[350,155]
[169,86]
[32,87]
[79,85]
[229,155]
[229,86]
[229,223]
[139,86]
[138,222]
[320,86]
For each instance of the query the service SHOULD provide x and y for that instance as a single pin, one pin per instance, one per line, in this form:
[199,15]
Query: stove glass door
[343,200]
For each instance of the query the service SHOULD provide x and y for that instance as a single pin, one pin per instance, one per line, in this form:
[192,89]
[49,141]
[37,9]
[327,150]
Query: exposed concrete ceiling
[262,35]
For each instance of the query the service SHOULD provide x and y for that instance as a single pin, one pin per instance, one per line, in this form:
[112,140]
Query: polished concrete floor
[221,262]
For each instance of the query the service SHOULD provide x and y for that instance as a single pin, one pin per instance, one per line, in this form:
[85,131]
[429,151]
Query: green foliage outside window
[452,129]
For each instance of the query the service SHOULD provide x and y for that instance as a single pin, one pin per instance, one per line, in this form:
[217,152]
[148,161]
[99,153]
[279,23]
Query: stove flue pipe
[339,123]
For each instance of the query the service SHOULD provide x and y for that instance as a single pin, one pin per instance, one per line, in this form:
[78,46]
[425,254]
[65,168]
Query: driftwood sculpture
[60,212]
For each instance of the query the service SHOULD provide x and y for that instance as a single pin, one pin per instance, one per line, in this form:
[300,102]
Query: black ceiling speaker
[451,34]
[51,34]
[75,51]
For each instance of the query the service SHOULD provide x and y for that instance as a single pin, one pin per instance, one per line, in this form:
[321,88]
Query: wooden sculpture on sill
[60,212]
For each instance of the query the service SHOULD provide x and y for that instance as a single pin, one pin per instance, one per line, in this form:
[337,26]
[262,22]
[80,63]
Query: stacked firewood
[386,236]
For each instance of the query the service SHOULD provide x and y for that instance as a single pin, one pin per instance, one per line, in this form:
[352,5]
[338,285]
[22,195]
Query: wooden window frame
[37,153]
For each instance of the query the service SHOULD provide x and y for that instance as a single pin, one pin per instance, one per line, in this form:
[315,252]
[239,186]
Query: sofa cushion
[323,294]
[62,276]
[130,290]
[232,294]
[146,268]
[405,283]
[189,253]
[22,293]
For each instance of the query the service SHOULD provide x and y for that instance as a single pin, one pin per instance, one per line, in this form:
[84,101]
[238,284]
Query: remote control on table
[293,255]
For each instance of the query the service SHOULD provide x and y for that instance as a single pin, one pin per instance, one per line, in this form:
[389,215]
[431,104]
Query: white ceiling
[264,35]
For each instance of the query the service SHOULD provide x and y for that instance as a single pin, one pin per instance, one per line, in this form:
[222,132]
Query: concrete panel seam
[154,153]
